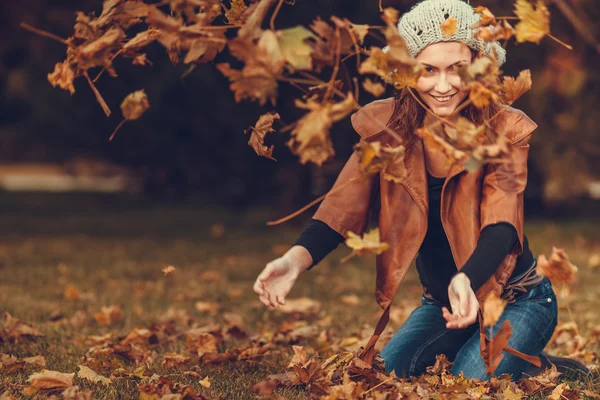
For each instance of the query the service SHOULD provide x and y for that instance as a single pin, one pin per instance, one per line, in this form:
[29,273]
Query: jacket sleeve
[504,183]
[346,206]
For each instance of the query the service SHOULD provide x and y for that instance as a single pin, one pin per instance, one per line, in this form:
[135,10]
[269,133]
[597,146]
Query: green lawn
[112,249]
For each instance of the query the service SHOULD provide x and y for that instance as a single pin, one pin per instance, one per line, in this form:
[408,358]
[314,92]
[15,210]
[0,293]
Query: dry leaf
[558,391]
[294,48]
[135,104]
[109,315]
[449,27]
[205,382]
[14,328]
[175,360]
[534,23]
[558,268]
[63,76]
[350,299]
[493,307]
[303,305]
[72,293]
[168,270]
[263,126]
[369,243]
[513,89]
[375,88]
[206,307]
[92,376]
[48,380]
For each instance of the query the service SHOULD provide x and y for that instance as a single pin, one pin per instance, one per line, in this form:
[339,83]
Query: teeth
[442,98]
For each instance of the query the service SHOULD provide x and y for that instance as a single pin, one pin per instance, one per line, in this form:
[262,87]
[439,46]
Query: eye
[428,69]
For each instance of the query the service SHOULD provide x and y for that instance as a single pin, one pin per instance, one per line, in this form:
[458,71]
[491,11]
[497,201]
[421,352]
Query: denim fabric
[415,344]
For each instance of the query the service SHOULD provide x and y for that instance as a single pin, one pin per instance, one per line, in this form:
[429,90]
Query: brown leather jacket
[469,202]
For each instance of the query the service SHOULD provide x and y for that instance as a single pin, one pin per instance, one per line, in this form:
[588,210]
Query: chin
[443,111]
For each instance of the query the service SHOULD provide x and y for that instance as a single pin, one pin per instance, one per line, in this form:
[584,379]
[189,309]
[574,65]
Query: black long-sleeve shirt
[435,264]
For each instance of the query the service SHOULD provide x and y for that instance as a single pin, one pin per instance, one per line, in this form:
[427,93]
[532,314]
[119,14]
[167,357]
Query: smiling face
[439,86]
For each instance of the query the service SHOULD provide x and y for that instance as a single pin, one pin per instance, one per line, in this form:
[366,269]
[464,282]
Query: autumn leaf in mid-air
[63,76]
[480,78]
[310,138]
[375,158]
[493,307]
[534,23]
[368,243]
[449,26]
[490,30]
[515,88]
[133,106]
[294,48]
[375,88]
[558,268]
[492,350]
[263,126]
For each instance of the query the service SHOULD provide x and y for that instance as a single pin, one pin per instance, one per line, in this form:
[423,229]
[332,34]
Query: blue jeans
[415,344]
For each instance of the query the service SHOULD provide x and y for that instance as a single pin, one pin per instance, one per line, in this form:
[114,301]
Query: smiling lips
[442,99]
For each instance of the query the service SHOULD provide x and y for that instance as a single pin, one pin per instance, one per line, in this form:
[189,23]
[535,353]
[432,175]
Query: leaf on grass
[558,268]
[205,382]
[534,23]
[48,380]
[168,270]
[109,315]
[92,376]
[449,27]
[301,305]
[14,329]
[310,137]
[71,293]
[515,88]
[493,307]
[263,126]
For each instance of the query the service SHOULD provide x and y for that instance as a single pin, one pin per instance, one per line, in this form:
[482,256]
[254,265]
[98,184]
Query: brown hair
[408,114]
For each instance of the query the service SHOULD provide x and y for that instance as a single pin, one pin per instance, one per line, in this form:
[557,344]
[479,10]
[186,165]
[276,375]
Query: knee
[397,360]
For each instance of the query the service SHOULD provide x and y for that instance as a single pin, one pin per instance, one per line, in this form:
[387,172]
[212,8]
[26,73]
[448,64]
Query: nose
[442,86]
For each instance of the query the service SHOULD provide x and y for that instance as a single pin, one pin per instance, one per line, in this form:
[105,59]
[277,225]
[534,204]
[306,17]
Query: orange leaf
[449,27]
[558,268]
[493,307]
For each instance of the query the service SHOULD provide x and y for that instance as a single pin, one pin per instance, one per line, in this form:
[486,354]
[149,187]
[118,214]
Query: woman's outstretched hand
[276,280]
[463,302]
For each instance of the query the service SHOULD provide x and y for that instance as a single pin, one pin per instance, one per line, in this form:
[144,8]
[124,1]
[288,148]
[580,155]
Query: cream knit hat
[420,27]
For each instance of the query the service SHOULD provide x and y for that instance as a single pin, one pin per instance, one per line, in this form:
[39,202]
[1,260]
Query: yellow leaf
[49,380]
[92,376]
[368,243]
[135,104]
[515,88]
[449,27]
[205,382]
[534,23]
[71,293]
[558,268]
[493,307]
[294,48]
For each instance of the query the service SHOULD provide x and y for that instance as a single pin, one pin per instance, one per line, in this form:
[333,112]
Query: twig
[42,33]
[559,41]
[116,129]
[275,14]
[98,95]
[104,69]
[380,10]
[336,65]
[566,298]
[388,379]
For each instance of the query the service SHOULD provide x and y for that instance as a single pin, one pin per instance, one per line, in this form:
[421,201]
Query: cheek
[424,84]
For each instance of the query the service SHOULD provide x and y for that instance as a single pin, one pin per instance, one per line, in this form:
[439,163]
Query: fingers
[258,287]
[469,318]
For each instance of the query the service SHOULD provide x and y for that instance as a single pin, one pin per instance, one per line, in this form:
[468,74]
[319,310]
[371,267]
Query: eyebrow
[458,62]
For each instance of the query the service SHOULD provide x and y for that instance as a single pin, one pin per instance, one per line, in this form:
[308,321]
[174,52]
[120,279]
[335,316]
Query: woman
[465,228]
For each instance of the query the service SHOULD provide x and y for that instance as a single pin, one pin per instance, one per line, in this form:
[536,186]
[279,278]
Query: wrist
[462,277]
[299,258]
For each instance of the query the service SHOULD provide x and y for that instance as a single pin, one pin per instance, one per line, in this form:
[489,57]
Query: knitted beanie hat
[420,27]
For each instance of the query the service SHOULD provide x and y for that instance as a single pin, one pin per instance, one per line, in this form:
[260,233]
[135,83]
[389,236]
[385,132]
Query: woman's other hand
[276,280]
[463,302]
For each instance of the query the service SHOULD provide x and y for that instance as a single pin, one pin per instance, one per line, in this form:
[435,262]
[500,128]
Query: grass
[112,249]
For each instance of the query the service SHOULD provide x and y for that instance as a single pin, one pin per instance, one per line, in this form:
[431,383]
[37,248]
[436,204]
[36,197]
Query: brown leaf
[558,268]
[513,89]
[109,315]
[310,137]
[493,307]
[294,48]
[71,293]
[14,329]
[48,380]
[175,361]
[168,270]
[63,76]
[235,12]
[493,349]
[302,305]
[135,104]
[92,376]
[534,23]
[206,307]
[263,126]
[449,27]
[375,88]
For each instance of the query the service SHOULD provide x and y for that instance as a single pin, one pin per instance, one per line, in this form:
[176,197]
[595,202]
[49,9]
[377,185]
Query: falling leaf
[375,88]
[310,138]
[92,376]
[369,243]
[534,23]
[493,307]
[492,351]
[135,104]
[109,315]
[594,261]
[48,380]
[485,15]
[449,27]
[513,89]
[168,270]
[235,12]
[263,126]
[205,382]
[558,268]
[63,76]
[295,50]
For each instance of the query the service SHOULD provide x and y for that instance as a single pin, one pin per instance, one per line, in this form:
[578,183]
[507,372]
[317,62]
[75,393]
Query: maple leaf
[439,144]
[294,48]
[310,137]
[109,315]
[369,243]
[558,268]
[205,382]
[449,26]
[465,134]
[514,88]
[534,23]
[375,158]
[557,393]
[375,88]
[63,76]
[486,17]
[493,307]
[263,126]
[492,351]
[48,380]
[480,78]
